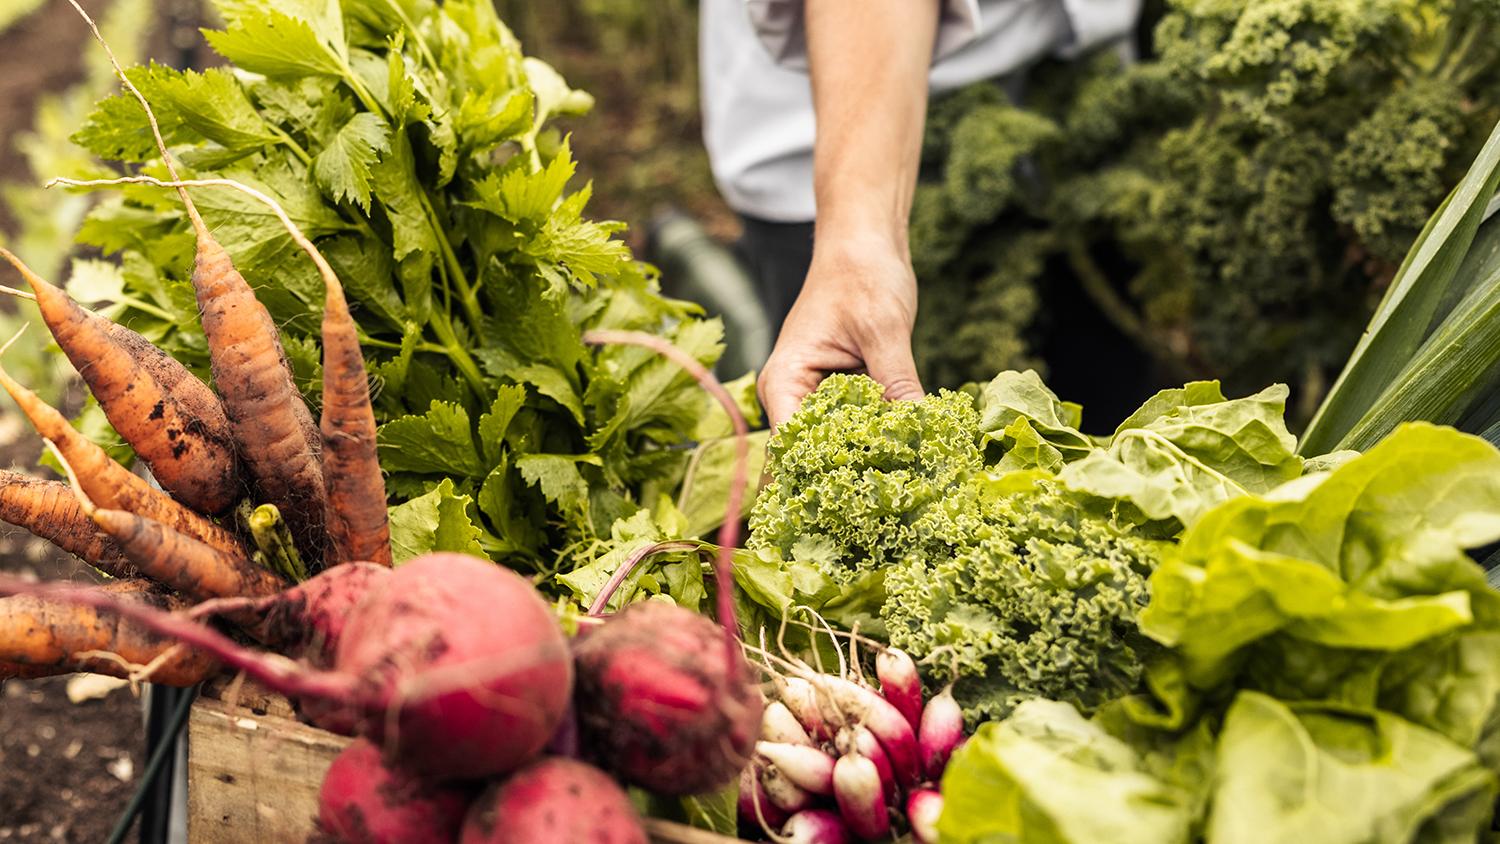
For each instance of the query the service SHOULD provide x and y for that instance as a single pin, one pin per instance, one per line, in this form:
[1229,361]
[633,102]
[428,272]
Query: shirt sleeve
[1094,22]
[781,28]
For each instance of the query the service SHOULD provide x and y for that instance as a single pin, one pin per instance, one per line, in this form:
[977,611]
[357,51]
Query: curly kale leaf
[989,144]
[1036,596]
[1393,167]
[853,473]
[1026,588]
[1266,56]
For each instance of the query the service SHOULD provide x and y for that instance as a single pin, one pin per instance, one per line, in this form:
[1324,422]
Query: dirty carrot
[195,569]
[187,444]
[41,635]
[108,483]
[356,516]
[48,509]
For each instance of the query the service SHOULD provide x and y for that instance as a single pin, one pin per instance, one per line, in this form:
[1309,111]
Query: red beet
[666,700]
[658,706]
[466,665]
[557,801]
[364,802]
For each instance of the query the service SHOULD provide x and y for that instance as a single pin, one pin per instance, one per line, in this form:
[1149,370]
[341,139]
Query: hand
[855,314]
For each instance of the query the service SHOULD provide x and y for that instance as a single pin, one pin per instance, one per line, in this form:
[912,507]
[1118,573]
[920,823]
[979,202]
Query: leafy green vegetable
[1183,452]
[1026,594]
[1000,539]
[853,475]
[415,143]
[1046,775]
[1329,672]
[1313,773]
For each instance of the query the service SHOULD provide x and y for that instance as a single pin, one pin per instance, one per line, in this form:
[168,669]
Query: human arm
[868,60]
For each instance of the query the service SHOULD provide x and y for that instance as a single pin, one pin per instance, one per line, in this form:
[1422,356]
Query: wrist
[861,233]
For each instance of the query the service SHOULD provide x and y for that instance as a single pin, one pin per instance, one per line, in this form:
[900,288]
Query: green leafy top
[412,141]
[1330,671]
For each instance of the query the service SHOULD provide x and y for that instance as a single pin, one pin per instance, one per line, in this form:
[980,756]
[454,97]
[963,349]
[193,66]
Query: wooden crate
[254,772]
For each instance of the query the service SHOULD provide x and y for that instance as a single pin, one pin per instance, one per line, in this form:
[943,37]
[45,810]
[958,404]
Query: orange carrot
[111,485]
[41,636]
[273,429]
[272,425]
[187,444]
[195,569]
[49,510]
[179,562]
[356,516]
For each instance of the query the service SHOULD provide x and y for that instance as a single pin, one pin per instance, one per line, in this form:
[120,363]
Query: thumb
[892,365]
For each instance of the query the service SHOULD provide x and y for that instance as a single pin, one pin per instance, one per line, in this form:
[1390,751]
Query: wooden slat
[254,772]
[253,778]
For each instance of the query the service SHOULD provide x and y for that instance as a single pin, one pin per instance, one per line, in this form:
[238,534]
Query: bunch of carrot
[252,438]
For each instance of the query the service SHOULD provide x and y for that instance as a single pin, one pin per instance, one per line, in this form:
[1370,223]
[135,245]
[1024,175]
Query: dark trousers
[777,256]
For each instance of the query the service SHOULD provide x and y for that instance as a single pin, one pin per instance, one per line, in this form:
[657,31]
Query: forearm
[868,61]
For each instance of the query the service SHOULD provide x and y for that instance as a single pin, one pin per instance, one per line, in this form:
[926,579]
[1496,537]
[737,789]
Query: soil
[66,770]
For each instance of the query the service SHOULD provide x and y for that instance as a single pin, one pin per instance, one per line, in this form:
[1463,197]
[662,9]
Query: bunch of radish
[840,760]
[453,672]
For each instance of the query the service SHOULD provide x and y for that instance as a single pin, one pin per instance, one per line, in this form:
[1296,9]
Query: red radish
[810,768]
[363,801]
[825,703]
[558,801]
[783,793]
[447,700]
[813,712]
[814,826]
[900,683]
[862,741]
[923,808]
[665,700]
[941,733]
[856,787]
[778,723]
[755,806]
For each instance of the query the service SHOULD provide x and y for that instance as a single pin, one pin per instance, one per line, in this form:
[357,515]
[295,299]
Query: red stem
[729,531]
[623,572]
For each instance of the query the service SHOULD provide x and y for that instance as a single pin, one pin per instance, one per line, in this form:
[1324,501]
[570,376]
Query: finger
[783,388]
[892,364]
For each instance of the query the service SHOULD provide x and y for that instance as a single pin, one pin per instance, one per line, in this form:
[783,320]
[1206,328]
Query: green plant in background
[1234,204]
[415,144]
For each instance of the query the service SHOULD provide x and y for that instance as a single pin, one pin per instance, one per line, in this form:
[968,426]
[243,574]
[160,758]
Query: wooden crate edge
[259,802]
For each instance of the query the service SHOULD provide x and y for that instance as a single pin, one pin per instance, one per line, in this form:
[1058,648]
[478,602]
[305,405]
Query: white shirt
[757,98]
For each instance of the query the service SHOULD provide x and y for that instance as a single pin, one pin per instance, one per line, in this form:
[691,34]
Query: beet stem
[601,601]
[729,531]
